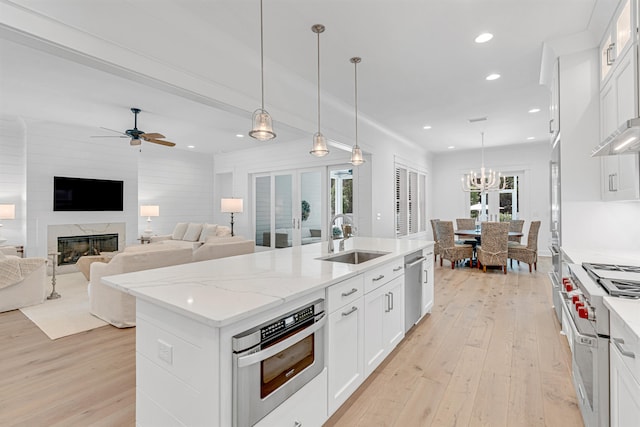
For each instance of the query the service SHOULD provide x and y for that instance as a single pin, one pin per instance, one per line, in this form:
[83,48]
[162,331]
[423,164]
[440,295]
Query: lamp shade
[230,205]
[149,210]
[7,211]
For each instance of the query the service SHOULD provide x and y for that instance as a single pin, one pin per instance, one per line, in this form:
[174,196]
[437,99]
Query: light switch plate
[165,351]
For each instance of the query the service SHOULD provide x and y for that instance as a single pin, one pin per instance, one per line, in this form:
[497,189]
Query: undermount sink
[354,256]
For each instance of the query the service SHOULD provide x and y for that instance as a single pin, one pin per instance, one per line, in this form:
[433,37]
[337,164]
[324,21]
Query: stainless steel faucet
[346,219]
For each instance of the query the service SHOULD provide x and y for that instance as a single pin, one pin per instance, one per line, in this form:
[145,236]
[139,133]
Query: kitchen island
[188,314]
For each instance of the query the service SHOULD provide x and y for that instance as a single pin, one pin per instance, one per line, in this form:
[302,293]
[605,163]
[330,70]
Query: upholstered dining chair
[493,249]
[466,224]
[436,246]
[527,253]
[515,225]
[449,249]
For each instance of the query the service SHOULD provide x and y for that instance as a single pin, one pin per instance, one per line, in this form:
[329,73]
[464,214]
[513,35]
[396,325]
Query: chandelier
[485,180]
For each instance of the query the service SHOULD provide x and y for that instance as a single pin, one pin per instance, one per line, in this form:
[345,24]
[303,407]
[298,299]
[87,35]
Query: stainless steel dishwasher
[412,288]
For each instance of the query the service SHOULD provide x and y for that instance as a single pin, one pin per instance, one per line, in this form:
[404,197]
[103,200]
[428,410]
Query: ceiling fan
[137,135]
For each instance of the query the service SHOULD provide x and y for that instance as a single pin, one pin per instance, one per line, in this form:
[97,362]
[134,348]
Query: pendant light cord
[318,82]
[261,55]
[355,68]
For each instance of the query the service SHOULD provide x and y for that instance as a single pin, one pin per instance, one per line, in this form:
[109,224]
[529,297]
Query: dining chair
[516,225]
[466,224]
[436,246]
[493,248]
[449,249]
[527,253]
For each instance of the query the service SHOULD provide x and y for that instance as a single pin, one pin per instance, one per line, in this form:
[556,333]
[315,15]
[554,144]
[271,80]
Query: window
[410,201]
[504,206]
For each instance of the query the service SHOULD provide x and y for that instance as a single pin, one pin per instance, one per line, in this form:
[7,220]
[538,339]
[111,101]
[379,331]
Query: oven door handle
[268,352]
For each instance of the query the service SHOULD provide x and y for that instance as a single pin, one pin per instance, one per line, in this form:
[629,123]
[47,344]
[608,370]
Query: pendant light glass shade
[319,148]
[262,129]
[356,153]
[262,126]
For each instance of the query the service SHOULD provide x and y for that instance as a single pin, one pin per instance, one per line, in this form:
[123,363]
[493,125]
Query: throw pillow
[223,231]
[208,230]
[193,232]
[178,232]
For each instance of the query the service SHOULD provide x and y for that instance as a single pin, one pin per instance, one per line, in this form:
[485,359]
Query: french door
[288,207]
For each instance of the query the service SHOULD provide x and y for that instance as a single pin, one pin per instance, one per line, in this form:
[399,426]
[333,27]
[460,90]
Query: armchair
[23,282]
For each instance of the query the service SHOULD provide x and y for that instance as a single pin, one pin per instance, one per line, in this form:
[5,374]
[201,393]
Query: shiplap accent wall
[180,182]
[55,149]
[13,177]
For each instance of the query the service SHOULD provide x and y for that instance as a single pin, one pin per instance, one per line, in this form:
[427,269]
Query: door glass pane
[311,207]
[341,197]
[284,210]
[263,211]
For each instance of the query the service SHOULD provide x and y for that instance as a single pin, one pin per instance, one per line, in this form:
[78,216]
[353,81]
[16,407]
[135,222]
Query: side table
[144,239]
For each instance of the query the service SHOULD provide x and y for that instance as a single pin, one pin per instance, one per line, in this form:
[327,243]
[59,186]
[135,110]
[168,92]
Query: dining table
[477,235]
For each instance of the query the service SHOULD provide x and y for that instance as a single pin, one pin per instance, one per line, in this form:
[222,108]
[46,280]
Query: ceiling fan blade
[116,131]
[158,141]
[152,135]
[109,136]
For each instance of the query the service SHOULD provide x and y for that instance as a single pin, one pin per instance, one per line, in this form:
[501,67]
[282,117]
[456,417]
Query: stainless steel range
[588,329]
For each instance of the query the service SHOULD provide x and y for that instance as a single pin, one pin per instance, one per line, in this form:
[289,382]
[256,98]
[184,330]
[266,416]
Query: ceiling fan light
[135,141]
[356,156]
[262,126]
[319,145]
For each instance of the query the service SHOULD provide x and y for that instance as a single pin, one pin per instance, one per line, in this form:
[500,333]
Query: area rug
[67,315]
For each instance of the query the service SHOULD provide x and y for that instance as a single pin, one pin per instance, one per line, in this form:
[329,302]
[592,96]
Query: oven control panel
[285,323]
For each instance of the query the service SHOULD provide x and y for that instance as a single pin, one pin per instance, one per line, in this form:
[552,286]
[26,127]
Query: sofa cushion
[215,240]
[178,232]
[193,232]
[208,230]
[223,230]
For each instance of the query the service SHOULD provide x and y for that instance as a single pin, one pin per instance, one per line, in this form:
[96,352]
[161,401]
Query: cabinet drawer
[627,343]
[381,275]
[344,292]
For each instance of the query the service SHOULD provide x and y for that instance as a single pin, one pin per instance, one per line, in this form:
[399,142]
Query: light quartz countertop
[627,309]
[223,291]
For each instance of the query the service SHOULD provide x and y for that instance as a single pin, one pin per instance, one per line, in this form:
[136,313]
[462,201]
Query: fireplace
[71,248]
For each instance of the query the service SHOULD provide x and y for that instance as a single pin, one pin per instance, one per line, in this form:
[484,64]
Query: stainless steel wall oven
[274,360]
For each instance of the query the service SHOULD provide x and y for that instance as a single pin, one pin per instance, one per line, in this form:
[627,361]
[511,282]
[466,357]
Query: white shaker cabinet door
[624,393]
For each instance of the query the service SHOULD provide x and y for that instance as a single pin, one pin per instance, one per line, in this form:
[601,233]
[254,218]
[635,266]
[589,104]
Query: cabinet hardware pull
[353,309]
[614,182]
[610,60]
[618,343]
[380,277]
[391,293]
[397,269]
[297,424]
[351,292]
[388,301]
[551,126]
[426,276]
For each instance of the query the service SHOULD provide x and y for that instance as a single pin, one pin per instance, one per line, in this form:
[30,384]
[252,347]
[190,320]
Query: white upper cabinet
[554,106]
[618,38]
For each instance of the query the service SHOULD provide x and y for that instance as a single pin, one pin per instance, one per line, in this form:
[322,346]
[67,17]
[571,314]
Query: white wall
[13,177]
[450,202]
[180,182]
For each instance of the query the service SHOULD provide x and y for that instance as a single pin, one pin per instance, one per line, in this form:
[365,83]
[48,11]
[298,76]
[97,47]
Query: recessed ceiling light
[484,37]
[239,135]
[191,146]
[531,137]
[493,76]
[451,147]
[534,110]
[426,127]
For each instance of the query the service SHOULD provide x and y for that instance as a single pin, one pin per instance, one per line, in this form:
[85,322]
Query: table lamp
[6,212]
[231,206]
[149,211]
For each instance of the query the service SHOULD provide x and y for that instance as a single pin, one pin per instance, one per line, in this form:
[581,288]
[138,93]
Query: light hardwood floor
[490,354]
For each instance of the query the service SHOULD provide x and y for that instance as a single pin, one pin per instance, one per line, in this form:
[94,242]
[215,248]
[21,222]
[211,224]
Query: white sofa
[23,282]
[191,234]
[119,308]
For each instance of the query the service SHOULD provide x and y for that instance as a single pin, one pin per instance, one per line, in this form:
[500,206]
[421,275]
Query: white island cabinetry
[383,313]
[187,316]
[345,340]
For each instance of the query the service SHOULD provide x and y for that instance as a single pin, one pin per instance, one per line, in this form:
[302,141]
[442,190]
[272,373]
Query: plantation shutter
[401,202]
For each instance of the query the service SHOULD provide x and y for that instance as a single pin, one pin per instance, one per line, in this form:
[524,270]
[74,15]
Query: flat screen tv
[82,194]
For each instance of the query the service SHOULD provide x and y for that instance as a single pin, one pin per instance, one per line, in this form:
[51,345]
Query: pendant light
[356,152]
[262,124]
[319,148]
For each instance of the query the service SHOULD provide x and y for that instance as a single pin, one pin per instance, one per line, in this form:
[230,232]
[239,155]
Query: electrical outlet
[165,352]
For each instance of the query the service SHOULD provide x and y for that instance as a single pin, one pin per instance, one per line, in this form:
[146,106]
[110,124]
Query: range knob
[586,313]
[568,286]
[575,298]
